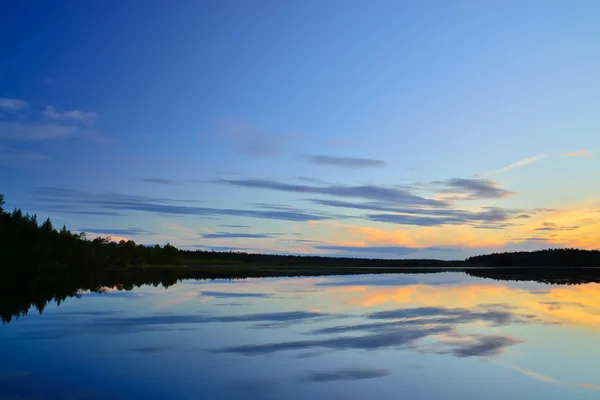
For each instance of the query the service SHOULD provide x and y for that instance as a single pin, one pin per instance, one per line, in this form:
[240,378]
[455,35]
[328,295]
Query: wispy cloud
[85,118]
[474,189]
[13,104]
[518,164]
[344,162]
[160,181]
[236,235]
[285,316]
[121,202]
[10,156]
[375,250]
[429,216]
[18,130]
[589,386]
[250,140]
[535,375]
[221,248]
[582,153]
[350,374]
[552,227]
[309,179]
[227,295]
[50,126]
[113,231]
[368,192]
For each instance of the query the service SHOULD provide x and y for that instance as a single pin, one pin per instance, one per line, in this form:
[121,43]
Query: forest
[40,264]
[28,247]
[563,258]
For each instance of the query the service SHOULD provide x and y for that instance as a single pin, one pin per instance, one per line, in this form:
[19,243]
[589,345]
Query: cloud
[402,336]
[51,124]
[13,104]
[221,248]
[486,217]
[227,295]
[301,240]
[12,157]
[583,153]
[534,375]
[493,314]
[377,280]
[369,192]
[344,162]
[235,235]
[66,210]
[349,374]
[114,231]
[474,188]
[233,226]
[412,220]
[552,227]
[250,140]
[518,164]
[309,179]
[286,316]
[152,349]
[423,316]
[75,116]
[273,206]
[18,130]
[160,181]
[589,386]
[389,250]
[120,202]
[39,131]
[484,346]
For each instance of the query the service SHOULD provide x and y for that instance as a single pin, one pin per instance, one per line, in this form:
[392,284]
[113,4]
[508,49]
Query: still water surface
[418,336]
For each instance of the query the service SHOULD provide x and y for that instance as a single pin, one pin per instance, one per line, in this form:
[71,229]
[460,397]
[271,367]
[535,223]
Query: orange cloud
[589,386]
[582,218]
[518,164]
[416,237]
[583,153]
[113,238]
[535,375]
[572,305]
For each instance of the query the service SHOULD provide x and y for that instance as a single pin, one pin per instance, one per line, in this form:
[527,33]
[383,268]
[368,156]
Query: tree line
[540,258]
[26,244]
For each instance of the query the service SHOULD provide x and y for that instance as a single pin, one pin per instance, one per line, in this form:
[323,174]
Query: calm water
[419,336]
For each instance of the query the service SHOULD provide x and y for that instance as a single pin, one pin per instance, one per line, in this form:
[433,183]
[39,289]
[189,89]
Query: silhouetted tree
[28,247]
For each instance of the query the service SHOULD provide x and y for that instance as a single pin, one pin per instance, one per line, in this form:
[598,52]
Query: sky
[381,129]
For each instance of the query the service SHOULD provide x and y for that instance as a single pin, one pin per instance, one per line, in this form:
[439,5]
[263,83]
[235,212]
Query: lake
[402,336]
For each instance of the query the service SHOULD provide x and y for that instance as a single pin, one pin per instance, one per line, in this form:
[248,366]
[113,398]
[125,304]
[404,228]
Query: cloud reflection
[396,339]
[225,295]
[351,374]
[287,316]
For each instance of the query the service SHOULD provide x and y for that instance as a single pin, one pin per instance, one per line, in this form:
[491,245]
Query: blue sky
[384,129]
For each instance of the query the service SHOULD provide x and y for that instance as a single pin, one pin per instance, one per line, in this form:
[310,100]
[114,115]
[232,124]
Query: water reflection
[426,336]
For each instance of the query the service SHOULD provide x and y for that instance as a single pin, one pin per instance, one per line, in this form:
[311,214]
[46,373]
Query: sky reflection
[443,335]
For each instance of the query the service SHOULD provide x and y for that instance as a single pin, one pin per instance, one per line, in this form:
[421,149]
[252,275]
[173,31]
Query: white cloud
[74,116]
[12,104]
[16,130]
[518,164]
[38,131]
[10,156]
[583,153]
[52,125]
